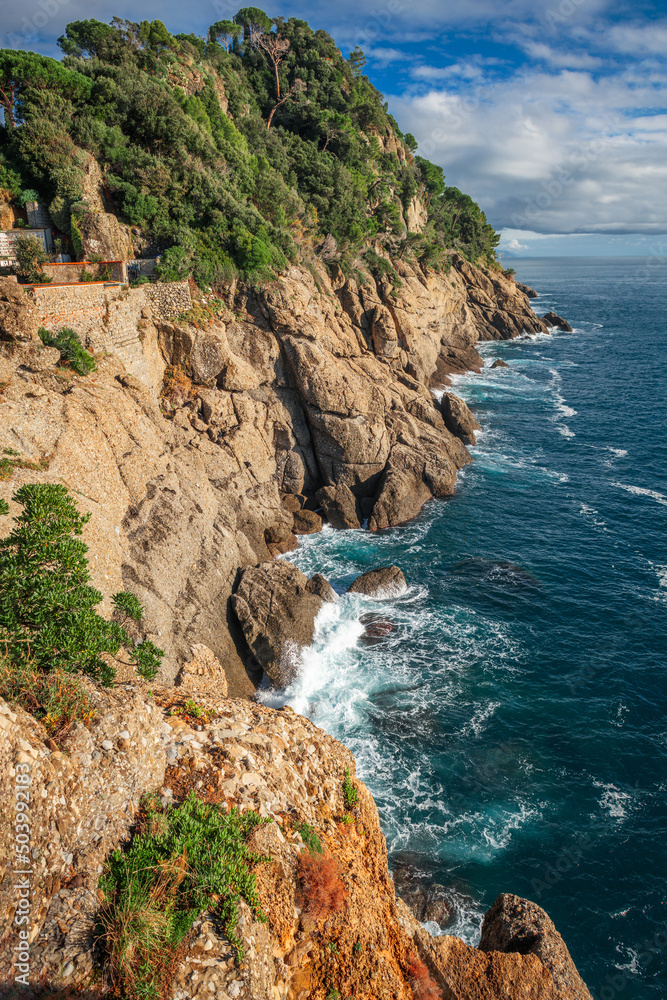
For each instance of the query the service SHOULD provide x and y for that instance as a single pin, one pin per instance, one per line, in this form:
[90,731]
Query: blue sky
[551,113]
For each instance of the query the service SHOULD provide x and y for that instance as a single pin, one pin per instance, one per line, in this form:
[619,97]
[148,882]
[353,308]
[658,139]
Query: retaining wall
[106,270]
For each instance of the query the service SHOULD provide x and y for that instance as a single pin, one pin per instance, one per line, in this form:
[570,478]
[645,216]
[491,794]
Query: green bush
[309,837]
[350,793]
[48,619]
[191,858]
[30,256]
[71,349]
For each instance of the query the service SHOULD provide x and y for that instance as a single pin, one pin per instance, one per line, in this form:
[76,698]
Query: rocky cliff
[232,429]
[194,460]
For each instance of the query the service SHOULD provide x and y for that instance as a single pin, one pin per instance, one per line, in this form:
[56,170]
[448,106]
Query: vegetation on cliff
[234,151]
[49,627]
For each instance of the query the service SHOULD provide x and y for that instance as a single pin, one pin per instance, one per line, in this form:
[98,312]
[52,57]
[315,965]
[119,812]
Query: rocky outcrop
[553,319]
[185,469]
[499,363]
[388,581]
[19,321]
[500,308]
[517,925]
[83,800]
[458,418]
[247,756]
[339,506]
[530,293]
[276,609]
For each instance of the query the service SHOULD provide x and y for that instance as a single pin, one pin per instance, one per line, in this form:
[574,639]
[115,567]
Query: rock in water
[459,419]
[376,628]
[527,290]
[553,319]
[499,363]
[276,610]
[306,522]
[517,925]
[339,506]
[322,588]
[387,581]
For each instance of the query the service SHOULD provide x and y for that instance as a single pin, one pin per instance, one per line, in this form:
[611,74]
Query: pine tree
[47,606]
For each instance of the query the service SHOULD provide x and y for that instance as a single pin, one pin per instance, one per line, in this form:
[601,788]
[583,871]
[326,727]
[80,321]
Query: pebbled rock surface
[388,581]
[517,925]
[246,756]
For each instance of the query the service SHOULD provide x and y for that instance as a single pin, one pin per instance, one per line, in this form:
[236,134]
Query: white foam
[614,801]
[641,491]
[498,832]
[478,722]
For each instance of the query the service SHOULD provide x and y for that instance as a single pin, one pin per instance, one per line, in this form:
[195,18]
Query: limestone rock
[103,234]
[553,319]
[458,418]
[499,363]
[203,674]
[517,925]
[383,330]
[238,375]
[19,321]
[321,587]
[306,522]
[277,612]
[37,358]
[388,581]
[209,355]
[529,292]
[339,506]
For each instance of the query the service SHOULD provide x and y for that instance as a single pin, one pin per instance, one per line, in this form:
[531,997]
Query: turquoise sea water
[512,727]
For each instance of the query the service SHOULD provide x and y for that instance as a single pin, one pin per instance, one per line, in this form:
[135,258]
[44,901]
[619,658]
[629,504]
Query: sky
[552,114]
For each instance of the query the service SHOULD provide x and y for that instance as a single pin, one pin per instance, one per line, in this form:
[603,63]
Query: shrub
[190,859]
[47,608]
[57,699]
[29,194]
[423,987]
[350,793]
[30,255]
[322,887]
[309,837]
[71,349]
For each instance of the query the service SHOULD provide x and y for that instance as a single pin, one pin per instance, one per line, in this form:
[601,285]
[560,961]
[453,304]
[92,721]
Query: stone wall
[169,299]
[106,270]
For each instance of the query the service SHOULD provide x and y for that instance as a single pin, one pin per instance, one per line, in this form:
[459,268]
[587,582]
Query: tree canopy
[232,150]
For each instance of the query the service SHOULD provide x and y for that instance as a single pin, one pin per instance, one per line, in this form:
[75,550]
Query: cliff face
[195,453]
[185,448]
[367,945]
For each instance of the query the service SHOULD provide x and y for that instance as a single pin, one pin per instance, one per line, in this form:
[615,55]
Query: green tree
[225,30]
[411,142]
[47,607]
[253,21]
[155,36]
[91,38]
[357,61]
[21,72]
[30,256]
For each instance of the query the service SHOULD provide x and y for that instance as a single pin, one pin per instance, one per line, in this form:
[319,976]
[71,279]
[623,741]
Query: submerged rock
[376,628]
[459,418]
[517,925]
[425,898]
[499,363]
[387,581]
[276,608]
[553,319]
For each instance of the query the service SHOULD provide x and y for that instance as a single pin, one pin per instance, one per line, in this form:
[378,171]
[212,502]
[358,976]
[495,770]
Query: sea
[512,725]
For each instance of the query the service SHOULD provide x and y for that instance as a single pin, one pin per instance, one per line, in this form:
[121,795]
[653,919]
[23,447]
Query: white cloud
[515,245]
[552,152]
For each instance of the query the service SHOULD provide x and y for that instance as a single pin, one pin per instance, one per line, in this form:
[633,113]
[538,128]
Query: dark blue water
[512,728]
